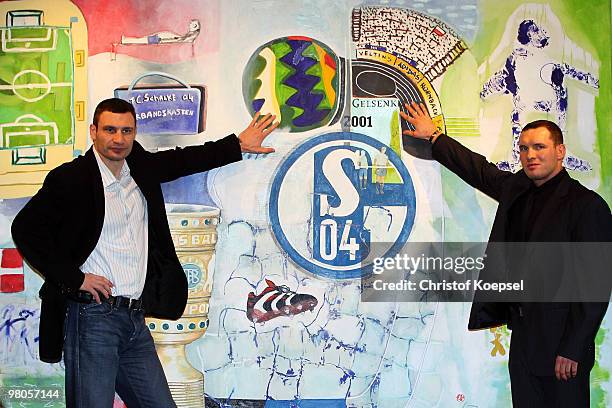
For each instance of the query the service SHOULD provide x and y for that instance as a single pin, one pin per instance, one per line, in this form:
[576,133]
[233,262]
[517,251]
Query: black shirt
[528,207]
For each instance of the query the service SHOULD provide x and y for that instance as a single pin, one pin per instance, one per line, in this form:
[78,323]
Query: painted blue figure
[535,83]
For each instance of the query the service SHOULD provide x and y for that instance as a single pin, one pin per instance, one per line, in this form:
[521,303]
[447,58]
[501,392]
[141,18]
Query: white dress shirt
[121,252]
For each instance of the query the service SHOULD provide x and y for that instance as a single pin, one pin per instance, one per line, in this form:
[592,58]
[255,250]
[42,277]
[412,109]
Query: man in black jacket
[552,348]
[97,232]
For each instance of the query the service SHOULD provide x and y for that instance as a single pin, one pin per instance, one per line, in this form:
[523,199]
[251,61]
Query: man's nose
[530,153]
[118,138]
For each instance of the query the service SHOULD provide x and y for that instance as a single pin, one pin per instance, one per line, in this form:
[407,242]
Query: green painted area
[392,174]
[282,71]
[586,23]
[284,92]
[462,100]
[280,49]
[27,76]
[591,20]
[251,85]
[30,37]
[599,375]
[316,70]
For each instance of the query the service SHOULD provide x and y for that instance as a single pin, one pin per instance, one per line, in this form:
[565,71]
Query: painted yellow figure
[498,347]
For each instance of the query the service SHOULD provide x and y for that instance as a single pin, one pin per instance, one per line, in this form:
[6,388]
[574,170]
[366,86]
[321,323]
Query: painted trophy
[194,232]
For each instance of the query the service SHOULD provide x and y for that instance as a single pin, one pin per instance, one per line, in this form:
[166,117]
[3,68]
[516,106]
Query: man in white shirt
[97,232]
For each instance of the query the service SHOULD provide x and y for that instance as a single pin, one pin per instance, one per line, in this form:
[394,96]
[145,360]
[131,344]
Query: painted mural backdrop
[271,246]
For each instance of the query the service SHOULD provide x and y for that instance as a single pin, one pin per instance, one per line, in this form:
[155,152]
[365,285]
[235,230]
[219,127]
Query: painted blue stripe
[307,403]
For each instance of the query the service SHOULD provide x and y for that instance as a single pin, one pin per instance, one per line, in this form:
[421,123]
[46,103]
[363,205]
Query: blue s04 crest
[335,195]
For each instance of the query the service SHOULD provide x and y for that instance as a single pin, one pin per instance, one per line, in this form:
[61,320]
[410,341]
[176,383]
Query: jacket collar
[95,181]
[522,183]
[565,183]
[138,171]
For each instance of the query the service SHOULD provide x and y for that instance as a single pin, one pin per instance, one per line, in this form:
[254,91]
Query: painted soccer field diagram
[42,92]
[34,72]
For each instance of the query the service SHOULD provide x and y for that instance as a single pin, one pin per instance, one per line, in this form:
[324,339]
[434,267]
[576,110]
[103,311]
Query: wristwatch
[434,134]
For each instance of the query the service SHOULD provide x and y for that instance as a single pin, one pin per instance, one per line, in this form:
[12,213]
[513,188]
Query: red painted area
[439,32]
[329,60]
[299,37]
[11,258]
[11,283]
[108,21]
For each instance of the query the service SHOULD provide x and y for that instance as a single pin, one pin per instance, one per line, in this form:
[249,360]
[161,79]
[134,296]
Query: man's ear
[92,132]
[560,148]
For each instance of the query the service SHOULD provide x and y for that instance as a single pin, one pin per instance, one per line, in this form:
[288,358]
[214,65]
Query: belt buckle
[135,304]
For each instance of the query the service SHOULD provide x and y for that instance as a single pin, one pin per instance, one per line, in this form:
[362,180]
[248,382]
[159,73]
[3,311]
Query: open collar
[108,178]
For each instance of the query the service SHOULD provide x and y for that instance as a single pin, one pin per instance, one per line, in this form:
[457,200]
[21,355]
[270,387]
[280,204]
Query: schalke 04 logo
[334,196]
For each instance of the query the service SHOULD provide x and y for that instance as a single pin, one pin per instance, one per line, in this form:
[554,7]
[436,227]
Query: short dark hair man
[540,203]
[97,232]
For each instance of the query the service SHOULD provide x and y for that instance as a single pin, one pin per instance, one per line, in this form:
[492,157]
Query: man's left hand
[565,368]
[259,128]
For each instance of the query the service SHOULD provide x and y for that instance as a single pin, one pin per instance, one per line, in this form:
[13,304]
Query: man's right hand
[418,117]
[96,285]
[254,134]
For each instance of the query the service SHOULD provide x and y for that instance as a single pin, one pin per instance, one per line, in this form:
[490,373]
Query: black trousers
[531,391]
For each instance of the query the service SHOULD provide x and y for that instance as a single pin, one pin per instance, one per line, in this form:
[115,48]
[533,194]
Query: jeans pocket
[95,309]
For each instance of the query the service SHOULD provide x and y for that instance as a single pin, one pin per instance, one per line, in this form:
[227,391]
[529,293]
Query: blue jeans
[109,348]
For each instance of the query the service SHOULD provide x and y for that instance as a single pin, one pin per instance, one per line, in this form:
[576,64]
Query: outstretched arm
[169,165]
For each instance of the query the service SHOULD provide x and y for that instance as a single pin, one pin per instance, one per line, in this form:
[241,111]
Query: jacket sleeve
[34,232]
[169,165]
[471,167]
[593,225]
